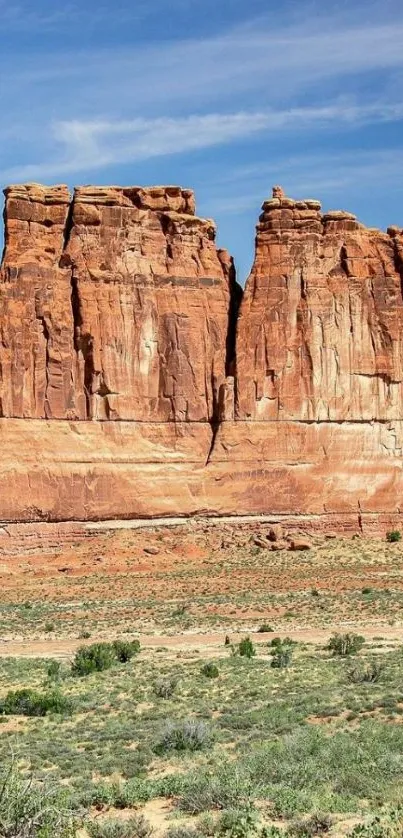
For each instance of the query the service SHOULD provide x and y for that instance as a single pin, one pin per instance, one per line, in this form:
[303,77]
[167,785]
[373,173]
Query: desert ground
[189,737]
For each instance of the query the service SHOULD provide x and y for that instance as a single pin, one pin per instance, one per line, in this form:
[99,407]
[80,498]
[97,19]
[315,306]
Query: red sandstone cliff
[115,306]
[37,369]
[118,318]
[320,334]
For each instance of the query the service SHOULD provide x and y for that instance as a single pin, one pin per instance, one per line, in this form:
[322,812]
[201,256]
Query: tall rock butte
[135,382]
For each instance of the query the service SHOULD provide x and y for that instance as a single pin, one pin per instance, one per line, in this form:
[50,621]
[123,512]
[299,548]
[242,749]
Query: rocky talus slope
[137,380]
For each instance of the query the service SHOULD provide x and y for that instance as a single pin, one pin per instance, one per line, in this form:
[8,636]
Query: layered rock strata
[131,386]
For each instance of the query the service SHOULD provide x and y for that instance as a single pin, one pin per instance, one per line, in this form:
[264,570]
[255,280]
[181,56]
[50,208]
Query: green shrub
[134,827]
[165,687]
[281,655]
[238,823]
[345,644]
[100,656]
[126,649]
[49,627]
[119,794]
[54,671]
[126,794]
[28,810]
[265,628]
[388,825]
[246,648]
[210,670]
[94,658]
[393,535]
[187,735]
[282,641]
[226,787]
[183,832]
[29,702]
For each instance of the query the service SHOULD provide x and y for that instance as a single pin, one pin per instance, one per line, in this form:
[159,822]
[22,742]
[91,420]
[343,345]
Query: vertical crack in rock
[5,230]
[229,385]
[68,226]
[397,238]
[83,344]
[45,329]
[236,294]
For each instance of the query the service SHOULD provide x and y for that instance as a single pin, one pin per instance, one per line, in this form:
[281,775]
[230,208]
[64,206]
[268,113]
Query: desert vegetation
[265,726]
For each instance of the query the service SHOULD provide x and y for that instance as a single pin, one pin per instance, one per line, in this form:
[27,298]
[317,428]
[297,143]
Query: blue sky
[225,96]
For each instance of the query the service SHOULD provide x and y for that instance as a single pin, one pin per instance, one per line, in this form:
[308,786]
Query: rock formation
[320,335]
[115,307]
[131,386]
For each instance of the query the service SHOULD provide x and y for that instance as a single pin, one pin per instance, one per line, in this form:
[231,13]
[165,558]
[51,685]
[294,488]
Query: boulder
[300,544]
[275,533]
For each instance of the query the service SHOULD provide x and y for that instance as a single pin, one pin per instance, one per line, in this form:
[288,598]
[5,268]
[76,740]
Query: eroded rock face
[37,359]
[119,319]
[113,307]
[320,334]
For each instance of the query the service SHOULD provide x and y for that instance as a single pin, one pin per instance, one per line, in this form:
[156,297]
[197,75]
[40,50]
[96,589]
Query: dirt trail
[55,648]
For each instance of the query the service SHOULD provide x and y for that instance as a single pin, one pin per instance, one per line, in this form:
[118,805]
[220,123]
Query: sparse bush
[308,827]
[165,687]
[54,671]
[210,670]
[183,832]
[134,827]
[368,674]
[393,536]
[281,655]
[180,610]
[187,735]
[28,810]
[345,644]
[29,702]
[224,788]
[227,641]
[126,649]
[49,627]
[84,634]
[265,628]
[246,648]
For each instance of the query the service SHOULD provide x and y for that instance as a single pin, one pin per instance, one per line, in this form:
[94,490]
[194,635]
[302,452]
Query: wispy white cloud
[93,145]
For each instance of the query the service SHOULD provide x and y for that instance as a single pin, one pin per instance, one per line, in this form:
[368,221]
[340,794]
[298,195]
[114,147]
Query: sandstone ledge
[86,471]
